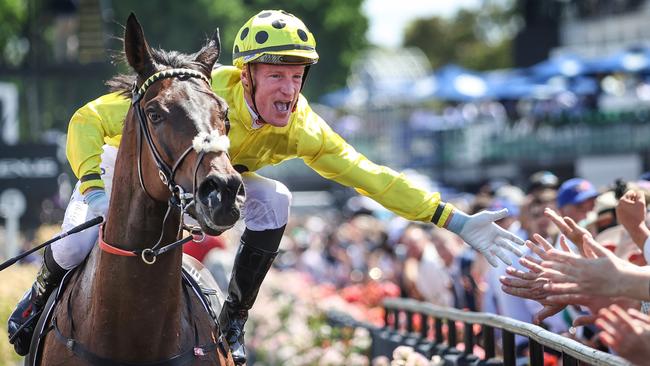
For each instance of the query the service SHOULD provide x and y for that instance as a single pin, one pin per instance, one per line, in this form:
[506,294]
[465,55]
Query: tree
[338,25]
[477,39]
[183,25]
[13,15]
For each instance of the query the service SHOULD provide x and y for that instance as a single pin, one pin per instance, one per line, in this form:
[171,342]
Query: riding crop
[90,223]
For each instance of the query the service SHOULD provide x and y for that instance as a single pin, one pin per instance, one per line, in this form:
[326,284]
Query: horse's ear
[210,53]
[137,51]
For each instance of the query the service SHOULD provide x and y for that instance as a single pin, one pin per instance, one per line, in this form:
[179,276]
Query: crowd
[583,274]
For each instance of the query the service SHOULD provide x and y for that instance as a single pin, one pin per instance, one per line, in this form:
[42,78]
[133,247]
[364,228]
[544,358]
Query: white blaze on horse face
[211,142]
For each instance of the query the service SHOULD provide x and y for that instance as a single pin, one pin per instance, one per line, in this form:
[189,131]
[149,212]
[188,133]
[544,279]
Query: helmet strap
[302,85]
[252,91]
[260,119]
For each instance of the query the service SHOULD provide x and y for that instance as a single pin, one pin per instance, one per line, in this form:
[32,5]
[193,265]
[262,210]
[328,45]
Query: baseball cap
[575,191]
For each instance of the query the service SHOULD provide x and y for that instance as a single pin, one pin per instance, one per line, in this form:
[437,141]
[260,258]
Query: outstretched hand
[568,227]
[626,332]
[481,233]
[530,285]
[538,283]
[596,275]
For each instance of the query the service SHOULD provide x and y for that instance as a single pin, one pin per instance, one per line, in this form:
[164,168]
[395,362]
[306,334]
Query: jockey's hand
[97,202]
[481,233]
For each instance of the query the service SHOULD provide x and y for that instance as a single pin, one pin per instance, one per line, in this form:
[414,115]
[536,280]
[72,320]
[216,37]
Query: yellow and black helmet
[274,37]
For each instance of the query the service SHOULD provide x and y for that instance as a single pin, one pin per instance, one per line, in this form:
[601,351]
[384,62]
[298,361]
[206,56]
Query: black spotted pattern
[244,33]
[236,49]
[303,35]
[261,37]
[266,14]
[278,24]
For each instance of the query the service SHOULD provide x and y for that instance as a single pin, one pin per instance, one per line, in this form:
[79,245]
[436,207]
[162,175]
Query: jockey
[270,122]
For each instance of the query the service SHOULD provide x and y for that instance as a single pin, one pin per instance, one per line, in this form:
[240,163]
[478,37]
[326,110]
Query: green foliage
[183,25]
[13,14]
[339,28]
[477,39]
[62,86]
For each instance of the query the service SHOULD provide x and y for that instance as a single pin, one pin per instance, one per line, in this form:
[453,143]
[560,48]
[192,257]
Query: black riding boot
[30,306]
[254,258]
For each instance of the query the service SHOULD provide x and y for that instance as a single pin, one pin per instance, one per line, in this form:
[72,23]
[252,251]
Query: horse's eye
[154,117]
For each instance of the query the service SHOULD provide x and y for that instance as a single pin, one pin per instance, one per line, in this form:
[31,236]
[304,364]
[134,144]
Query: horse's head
[185,125]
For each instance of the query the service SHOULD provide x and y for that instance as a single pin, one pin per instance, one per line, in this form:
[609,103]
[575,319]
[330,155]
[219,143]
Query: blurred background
[462,93]
[463,96]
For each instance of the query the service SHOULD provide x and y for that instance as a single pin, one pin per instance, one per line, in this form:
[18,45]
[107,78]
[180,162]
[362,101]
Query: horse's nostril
[209,191]
[214,199]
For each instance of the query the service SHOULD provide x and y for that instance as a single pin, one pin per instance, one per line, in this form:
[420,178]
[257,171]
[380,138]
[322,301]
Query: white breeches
[266,207]
[267,203]
[73,249]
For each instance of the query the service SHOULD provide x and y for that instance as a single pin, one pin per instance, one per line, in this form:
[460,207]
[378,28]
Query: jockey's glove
[97,202]
[481,233]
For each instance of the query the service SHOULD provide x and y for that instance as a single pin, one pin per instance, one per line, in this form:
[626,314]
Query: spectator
[576,198]
[422,265]
[603,216]
[540,181]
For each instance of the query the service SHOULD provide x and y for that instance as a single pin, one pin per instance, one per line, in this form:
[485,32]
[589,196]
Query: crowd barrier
[447,323]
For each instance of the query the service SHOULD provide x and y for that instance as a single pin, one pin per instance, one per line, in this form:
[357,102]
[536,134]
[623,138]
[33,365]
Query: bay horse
[127,305]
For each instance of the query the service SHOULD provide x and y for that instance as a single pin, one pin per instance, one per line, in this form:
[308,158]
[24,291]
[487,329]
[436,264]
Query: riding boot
[250,267]
[23,320]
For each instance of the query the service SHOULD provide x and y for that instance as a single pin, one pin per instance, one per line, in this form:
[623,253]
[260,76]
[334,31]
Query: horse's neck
[133,300]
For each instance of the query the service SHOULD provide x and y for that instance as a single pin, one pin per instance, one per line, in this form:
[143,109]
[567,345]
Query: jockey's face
[276,90]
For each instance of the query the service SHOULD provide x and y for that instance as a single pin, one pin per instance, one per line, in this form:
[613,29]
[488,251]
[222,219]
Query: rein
[165,173]
[203,143]
[147,255]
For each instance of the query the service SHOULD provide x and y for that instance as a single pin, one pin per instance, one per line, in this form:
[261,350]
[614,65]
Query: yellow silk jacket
[306,136]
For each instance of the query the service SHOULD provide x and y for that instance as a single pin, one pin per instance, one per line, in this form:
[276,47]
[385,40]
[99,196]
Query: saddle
[195,276]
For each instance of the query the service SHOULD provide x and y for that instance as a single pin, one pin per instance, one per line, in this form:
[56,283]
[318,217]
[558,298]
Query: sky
[388,18]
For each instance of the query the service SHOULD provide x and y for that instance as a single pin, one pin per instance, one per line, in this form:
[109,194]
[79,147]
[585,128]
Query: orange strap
[111,249]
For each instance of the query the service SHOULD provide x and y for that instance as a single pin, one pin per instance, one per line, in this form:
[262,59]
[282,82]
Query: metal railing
[443,339]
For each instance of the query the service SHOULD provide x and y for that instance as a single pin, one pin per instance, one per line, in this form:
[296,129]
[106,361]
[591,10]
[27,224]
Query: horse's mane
[123,83]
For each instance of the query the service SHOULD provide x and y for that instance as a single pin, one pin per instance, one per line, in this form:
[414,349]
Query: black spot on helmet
[303,35]
[261,37]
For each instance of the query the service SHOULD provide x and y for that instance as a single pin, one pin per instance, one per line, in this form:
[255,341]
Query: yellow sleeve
[90,128]
[330,156]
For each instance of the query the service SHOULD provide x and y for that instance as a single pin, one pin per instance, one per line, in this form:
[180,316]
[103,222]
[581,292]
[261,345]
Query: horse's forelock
[123,83]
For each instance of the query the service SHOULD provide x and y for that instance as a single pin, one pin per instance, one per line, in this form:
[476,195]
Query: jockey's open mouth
[282,106]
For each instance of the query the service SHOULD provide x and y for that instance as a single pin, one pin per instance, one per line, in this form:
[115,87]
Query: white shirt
[434,282]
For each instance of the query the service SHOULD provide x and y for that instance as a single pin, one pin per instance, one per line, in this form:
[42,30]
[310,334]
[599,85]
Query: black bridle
[179,198]
[165,172]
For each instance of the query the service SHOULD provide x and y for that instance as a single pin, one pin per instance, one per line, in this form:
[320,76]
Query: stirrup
[32,318]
